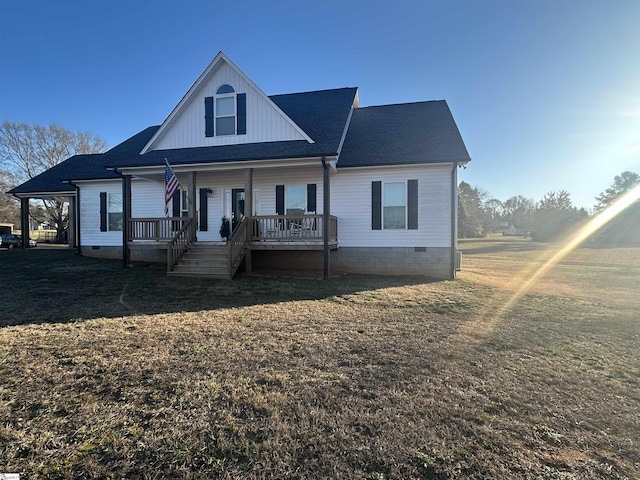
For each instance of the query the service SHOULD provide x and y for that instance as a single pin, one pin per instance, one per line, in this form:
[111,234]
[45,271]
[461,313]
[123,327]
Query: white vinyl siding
[264,122]
[147,199]
[90,233]
[351,203]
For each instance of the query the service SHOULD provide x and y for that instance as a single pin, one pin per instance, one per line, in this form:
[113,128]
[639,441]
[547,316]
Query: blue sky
[545,93]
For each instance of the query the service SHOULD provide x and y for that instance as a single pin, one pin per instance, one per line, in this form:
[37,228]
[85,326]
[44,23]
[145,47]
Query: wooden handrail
[236,246]
[180,242]
[154,229]
[292,227]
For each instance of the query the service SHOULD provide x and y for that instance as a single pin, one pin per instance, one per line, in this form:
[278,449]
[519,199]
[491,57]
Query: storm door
[237,207]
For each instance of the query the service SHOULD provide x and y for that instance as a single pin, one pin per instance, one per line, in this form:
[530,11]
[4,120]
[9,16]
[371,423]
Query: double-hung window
[296,199]
[225,114]
[225,109]
[394,205]
[114,211]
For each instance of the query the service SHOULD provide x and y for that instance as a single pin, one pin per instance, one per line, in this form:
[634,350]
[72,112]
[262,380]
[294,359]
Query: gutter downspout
[79,247]
[454,217]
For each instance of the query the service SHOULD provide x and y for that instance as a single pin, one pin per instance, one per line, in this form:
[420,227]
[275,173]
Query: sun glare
[483,326]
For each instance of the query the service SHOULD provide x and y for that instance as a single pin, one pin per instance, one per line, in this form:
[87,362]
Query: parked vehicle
[9,240]
[32,242]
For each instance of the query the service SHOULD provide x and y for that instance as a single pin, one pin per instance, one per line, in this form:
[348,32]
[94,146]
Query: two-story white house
[306,180]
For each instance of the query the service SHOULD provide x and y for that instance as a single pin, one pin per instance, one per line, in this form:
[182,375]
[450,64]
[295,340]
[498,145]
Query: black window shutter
[176,203]
[208,116]
[279,199]
[204,214]
[103,211]
[376,205]
[241,109]
[311,197]
[412,204]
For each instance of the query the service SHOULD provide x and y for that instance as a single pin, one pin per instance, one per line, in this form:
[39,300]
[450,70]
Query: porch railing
[180,242]
[155,229]
[292,228]
[236,246]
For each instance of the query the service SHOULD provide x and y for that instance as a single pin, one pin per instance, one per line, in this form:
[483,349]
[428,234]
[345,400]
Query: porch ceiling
[45,195]
[156,173]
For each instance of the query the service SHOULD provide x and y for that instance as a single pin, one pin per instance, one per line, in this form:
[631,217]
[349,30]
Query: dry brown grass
[360,377]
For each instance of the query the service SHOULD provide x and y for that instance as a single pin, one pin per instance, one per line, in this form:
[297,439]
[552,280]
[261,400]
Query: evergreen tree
[471,217]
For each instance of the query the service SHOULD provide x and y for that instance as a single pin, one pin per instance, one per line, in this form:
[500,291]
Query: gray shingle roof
[84,167]
[386,135]
[409,133]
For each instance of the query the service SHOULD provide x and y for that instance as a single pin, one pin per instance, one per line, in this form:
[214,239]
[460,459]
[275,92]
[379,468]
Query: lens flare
[503,303]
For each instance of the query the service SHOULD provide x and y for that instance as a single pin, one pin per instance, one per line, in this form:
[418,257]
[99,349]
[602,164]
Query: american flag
[171,184]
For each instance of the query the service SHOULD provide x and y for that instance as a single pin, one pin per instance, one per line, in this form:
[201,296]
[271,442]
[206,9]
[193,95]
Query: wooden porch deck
[268,232]
[292,232]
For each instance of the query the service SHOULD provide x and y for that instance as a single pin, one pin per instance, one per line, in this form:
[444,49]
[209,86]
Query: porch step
[203,261]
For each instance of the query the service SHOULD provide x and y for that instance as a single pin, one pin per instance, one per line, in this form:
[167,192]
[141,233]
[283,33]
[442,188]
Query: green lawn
[111,372]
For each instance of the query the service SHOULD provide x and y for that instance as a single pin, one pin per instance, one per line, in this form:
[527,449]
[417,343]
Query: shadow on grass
[508,244]
[53,286]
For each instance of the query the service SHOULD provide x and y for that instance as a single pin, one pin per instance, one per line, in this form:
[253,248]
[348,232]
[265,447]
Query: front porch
[177,235]
[286,189]
[282,232]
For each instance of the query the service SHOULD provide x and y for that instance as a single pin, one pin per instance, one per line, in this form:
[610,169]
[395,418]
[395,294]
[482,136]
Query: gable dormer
[224,107]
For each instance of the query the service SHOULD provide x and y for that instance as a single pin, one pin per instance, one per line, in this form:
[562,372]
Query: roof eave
[225,165]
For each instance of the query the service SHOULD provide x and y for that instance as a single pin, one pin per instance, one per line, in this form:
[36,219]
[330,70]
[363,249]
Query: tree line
[549,219]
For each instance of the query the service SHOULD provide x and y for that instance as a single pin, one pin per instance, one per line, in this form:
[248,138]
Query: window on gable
[225,111]
[394,205]
[114,211]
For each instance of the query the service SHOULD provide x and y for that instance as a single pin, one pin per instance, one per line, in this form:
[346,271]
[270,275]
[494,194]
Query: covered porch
[262,232]
[290,230]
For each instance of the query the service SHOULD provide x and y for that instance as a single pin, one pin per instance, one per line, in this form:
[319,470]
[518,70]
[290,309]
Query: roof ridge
[422,102]
[313,91]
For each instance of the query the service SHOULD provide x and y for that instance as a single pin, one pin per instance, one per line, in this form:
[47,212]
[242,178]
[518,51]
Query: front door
[237,207]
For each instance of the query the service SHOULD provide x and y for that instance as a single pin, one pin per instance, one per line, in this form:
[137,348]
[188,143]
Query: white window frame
[405,205]
[235,113]
[110,212]
[304,197]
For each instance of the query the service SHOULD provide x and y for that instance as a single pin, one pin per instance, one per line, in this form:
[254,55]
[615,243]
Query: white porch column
[191,189]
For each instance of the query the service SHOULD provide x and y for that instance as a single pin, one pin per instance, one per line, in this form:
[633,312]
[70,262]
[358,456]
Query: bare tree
[27,150]
[519,211]
[9,209]
[493,215]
